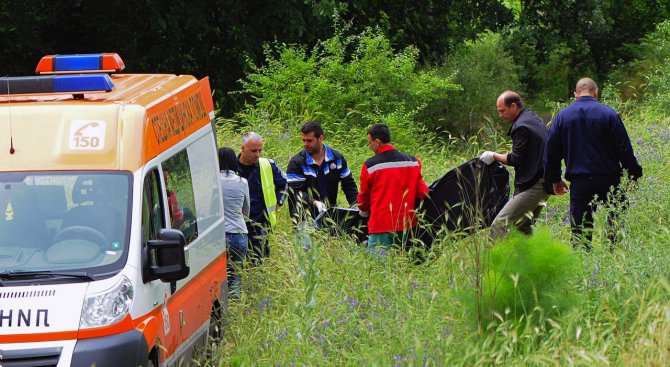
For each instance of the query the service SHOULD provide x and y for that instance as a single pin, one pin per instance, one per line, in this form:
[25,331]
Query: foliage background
[552,41]
[431,70]
[327,301]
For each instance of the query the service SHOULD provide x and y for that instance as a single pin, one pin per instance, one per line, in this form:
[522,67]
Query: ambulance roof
[122,129]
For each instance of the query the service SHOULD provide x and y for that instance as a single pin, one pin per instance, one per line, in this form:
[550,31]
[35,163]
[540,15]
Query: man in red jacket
[391,182]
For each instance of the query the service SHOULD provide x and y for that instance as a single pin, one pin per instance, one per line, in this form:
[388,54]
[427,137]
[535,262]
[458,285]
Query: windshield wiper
[15,275]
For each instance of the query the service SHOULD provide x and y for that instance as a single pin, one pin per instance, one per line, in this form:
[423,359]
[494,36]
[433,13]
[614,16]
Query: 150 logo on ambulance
[87,135]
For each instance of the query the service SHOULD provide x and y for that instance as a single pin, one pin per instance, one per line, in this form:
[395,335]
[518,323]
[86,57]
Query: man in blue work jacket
[315,174]
[593,141]
[267,191]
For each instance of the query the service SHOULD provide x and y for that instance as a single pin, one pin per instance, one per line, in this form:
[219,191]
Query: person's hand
[560,188]
[364,214]
[320,206]
[487,157]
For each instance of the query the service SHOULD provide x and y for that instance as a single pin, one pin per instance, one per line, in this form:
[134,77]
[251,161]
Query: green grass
[334,304]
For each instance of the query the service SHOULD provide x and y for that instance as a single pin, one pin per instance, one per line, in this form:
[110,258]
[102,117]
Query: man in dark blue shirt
[593,141]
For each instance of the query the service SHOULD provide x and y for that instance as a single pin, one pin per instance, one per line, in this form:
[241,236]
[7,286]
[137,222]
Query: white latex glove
[320,206]
[487,157]
[364,214]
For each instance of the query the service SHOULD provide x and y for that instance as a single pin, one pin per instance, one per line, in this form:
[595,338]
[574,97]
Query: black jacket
[529,136]
[303,176]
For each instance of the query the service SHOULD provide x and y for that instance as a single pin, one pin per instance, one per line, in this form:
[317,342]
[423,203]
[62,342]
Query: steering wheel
[81,233]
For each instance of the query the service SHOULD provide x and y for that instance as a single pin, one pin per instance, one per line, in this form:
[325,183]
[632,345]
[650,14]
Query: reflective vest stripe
[268,185]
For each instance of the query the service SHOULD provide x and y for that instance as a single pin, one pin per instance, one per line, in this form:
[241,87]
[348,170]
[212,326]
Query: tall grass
[327,301]
[324,300]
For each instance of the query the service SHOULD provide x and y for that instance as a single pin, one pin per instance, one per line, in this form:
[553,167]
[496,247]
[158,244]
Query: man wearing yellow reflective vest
[267,191]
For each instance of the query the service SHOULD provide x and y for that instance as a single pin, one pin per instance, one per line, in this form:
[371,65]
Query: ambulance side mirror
[165,258]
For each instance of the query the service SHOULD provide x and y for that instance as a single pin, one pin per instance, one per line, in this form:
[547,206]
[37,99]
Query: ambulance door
[153,220]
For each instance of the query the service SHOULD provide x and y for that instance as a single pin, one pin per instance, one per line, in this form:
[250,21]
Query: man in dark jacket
[593,141]
[529,136]
[314,175]
[391,182]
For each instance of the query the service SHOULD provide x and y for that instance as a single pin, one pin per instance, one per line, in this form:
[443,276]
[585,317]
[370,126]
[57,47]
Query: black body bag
[464,199]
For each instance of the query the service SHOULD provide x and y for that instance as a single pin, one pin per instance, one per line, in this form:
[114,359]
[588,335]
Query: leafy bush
[526,274]
[648,76]
[484,70]
[345,81]
[658,80]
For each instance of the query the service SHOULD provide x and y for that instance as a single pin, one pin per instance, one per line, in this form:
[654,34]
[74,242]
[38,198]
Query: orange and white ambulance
[112,244]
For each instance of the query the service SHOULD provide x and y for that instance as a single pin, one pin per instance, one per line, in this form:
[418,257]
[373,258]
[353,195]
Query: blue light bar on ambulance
[81,63]
[74,83]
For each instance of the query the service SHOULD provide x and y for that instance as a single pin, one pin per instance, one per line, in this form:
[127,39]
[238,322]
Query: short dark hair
[227,159]
[312,127]
[381,132]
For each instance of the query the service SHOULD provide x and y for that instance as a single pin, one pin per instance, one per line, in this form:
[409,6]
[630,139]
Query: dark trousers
[258,243]
[587,193]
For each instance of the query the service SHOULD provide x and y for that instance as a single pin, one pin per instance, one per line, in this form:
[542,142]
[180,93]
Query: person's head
[586,87]
[311,134]
[378,136]
[166,175]
[227,159]
[509,105]
[252,145]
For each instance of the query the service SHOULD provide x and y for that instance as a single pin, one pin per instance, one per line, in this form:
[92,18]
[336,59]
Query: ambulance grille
[27,294]
[43,357]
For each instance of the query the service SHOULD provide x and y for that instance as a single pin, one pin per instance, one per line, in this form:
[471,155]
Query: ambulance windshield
[57,221]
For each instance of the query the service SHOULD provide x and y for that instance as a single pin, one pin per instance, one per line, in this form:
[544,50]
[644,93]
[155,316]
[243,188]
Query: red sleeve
[364,193]
[421,187]
[175,213]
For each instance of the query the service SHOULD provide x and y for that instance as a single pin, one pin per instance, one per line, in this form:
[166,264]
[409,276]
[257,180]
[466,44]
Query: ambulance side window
[179,193]
[152,207]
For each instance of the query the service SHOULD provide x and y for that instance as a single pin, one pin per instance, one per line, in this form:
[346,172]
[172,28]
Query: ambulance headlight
[108,307]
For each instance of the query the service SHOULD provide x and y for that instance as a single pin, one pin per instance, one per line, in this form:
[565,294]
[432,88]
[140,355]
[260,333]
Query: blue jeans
[237,252]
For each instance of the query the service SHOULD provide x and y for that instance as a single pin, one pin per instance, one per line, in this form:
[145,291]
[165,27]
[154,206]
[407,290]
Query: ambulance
[112,243]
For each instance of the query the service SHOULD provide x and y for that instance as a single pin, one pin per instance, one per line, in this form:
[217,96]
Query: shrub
[484,70]
[658,79]
[525,274]
[648,76]
[345,81]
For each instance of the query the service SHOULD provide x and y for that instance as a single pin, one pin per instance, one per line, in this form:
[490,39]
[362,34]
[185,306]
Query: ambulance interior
[63,220]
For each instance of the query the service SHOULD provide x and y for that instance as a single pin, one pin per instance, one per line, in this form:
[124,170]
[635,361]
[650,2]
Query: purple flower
[566,220]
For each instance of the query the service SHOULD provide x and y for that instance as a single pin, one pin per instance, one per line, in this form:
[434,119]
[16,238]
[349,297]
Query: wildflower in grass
[281,336]
[264,305]
[566,220]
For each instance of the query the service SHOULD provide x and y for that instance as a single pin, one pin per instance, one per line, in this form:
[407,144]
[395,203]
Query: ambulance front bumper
[125,349]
